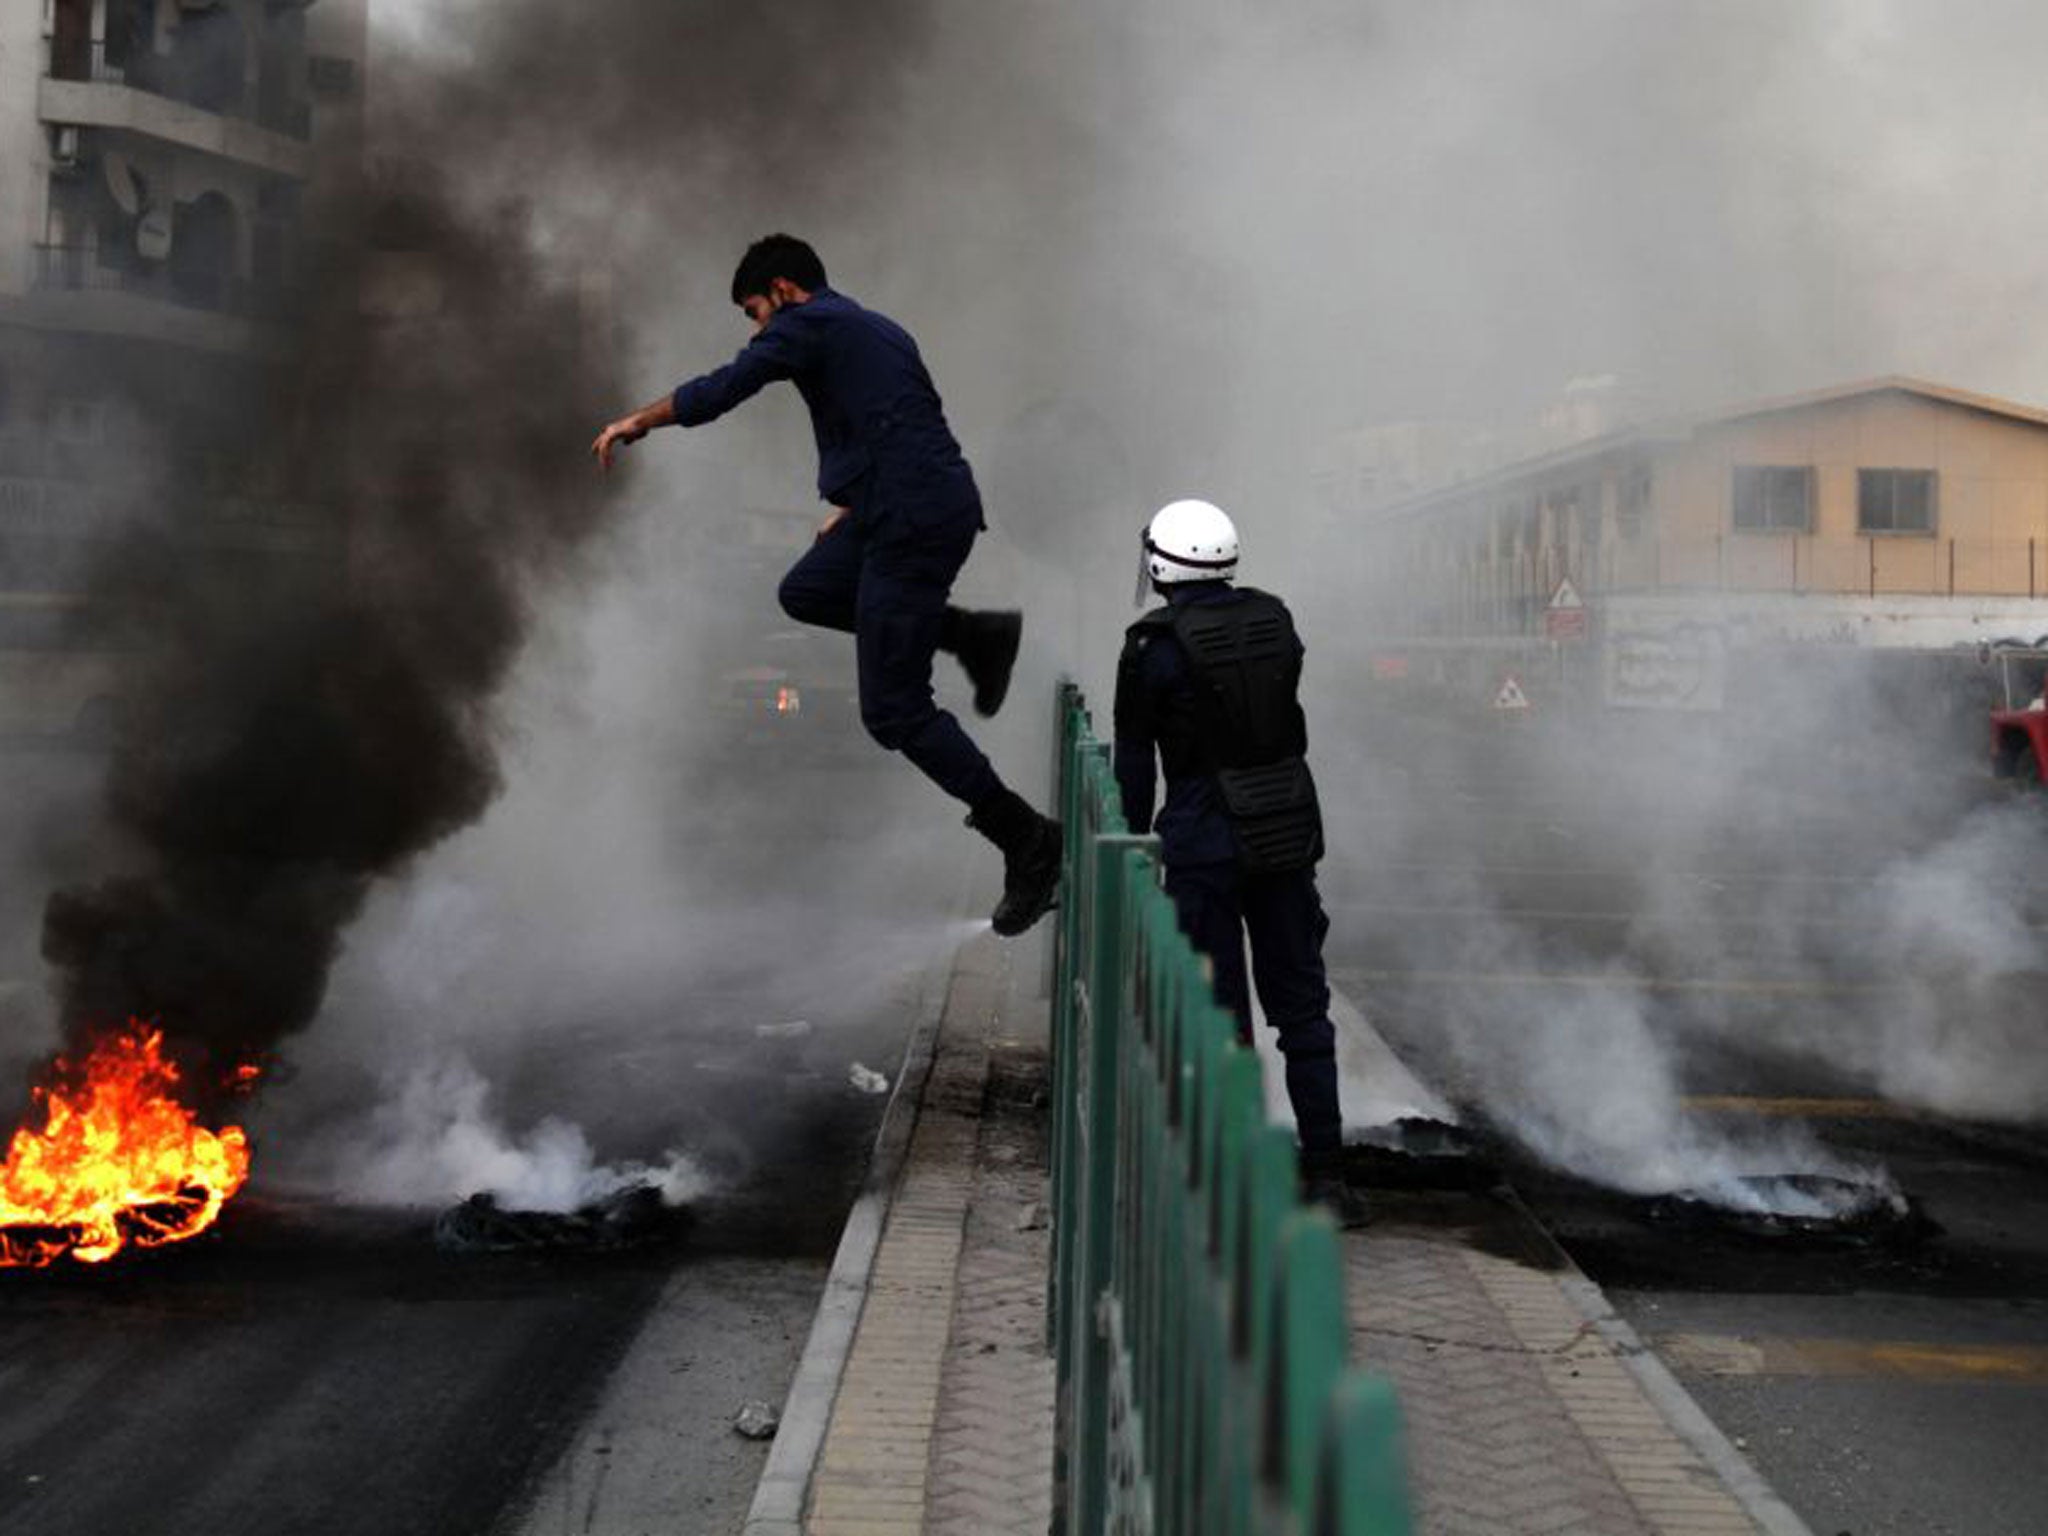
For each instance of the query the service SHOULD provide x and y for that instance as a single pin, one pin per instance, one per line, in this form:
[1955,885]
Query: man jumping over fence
[905,512]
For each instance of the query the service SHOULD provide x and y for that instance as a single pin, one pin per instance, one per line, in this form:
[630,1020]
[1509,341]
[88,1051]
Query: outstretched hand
[631,428]
[627,429]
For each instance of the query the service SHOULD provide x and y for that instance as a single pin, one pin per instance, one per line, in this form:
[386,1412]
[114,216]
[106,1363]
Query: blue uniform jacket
[883,443]
[1155,713]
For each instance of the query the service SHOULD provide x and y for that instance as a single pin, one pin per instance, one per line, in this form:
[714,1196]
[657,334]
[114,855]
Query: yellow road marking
[1714,1355]
[1810,1108]
[1605,979]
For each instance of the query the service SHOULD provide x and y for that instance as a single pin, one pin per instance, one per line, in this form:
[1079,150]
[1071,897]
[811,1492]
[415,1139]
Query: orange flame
[118,1159]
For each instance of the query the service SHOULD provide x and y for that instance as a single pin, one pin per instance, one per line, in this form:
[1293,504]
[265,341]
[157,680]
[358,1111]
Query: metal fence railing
[1448,593]
[1196,1307]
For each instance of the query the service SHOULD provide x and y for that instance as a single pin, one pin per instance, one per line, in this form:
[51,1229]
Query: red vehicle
[2019,722]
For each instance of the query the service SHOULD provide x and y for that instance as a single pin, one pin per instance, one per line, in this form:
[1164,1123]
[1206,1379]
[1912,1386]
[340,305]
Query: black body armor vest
[1249,730]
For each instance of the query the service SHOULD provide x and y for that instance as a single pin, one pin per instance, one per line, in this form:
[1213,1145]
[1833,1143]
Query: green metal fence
[1196,1306]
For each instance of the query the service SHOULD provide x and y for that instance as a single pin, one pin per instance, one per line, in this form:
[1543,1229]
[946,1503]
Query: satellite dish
[153,235]
[124,183]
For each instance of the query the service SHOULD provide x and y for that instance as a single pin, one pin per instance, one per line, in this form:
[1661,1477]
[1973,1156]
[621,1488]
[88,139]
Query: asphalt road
[327,1371]
[316,1369]
[313,1366]
[1640,980]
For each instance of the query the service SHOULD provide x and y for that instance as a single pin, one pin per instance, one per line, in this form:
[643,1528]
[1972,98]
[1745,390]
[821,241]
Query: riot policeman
[1208,682]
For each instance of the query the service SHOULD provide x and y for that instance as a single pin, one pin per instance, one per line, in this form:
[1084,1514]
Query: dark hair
[774,256]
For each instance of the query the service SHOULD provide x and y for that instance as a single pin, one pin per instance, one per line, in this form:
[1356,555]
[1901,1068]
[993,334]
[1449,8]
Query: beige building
[1890,512]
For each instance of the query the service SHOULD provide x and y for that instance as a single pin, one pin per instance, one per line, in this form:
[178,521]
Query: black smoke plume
[304,725]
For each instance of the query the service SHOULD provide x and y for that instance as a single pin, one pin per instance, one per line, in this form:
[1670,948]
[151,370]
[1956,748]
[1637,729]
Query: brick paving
[1521,1418]
[871,1477]
[991,1466]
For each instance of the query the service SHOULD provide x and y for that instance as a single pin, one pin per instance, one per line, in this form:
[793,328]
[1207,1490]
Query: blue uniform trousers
[1220,907]
[886,582]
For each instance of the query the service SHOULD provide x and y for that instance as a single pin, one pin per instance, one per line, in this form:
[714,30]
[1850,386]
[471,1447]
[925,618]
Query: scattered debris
[634,1216]
[867,1079]
[1031,1218]
[757,1420]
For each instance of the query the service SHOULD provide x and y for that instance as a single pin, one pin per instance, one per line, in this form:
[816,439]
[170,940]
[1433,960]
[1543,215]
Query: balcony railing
[211,82]
[1868,565]
[78,269]
[1508,595]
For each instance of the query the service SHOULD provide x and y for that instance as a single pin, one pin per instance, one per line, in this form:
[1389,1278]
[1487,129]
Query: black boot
[1032,848]
[986,644]
[1323,1183]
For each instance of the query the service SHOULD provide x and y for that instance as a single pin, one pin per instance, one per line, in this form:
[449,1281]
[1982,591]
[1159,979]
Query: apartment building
[162,164]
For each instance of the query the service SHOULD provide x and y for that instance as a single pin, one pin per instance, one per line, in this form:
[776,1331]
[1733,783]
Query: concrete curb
[778,1505]
[1686,1418]
[1744,1483]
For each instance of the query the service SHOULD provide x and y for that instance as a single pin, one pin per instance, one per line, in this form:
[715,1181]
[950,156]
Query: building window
[1895,501]
[1632,505]
[1773,498]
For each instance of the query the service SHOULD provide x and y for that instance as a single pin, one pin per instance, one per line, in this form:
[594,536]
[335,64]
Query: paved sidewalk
[943,1420]
[1529,1407]
[1519,1389]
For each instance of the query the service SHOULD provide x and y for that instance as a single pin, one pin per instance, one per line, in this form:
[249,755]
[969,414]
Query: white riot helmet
[1188,541]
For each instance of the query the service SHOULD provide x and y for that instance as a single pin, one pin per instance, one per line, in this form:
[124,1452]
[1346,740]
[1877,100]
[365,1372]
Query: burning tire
[1808,1207]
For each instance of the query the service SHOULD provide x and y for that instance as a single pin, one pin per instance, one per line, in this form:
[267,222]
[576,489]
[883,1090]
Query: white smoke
[434,1139]
[1960,1034]
[1591,1087]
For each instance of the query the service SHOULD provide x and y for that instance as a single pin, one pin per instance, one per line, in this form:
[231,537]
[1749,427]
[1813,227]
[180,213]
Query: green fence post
[1273,1189]
[1308,1312]
[1066,969]
[1115,865]
[1084,881]
[1363,1481]
[1242,1113]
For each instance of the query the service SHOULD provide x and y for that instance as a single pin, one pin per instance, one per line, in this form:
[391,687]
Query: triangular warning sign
[1510,695]
[1566,596]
